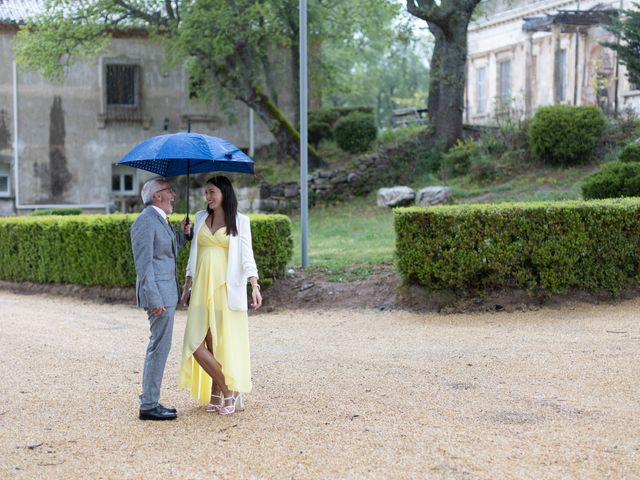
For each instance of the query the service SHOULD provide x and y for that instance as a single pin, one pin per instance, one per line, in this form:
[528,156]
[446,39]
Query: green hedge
[544,247]
[96,249]
[566,134]
[615,179]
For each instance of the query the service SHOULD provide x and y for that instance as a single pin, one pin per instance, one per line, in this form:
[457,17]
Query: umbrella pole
[190,236]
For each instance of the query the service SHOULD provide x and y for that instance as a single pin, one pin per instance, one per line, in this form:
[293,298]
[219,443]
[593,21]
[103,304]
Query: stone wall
[366,174]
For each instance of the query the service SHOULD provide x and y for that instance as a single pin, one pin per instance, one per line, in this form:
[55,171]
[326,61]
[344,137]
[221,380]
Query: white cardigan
[241,264]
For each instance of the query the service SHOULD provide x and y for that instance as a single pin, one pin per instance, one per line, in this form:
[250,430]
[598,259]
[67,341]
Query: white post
[304,199]
[16,164]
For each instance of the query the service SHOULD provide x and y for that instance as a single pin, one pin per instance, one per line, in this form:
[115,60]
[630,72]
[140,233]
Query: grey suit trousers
[161,327]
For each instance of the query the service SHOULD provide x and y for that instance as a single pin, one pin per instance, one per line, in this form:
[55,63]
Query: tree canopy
[627,28]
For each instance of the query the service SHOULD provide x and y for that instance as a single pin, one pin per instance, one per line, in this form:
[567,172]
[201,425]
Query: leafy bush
[55,211]
[458,159]
[355,132]
[615,179]
[319,131]
[564,134]
[483,169]
[630,153]
[323,121]
[96,249]
[546,247]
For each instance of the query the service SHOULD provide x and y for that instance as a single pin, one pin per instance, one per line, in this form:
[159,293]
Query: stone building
[524,54]
[59,142]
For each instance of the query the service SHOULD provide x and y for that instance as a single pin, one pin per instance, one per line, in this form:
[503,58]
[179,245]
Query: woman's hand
[256,297]
[186,291]
[186,296]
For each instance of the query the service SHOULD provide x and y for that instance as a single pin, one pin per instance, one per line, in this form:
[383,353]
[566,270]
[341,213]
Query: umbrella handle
[190,236]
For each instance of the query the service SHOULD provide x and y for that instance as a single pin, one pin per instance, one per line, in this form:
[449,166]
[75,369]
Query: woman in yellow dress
[215,363]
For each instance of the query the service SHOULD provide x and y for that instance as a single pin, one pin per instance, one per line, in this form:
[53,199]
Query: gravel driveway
[551,393]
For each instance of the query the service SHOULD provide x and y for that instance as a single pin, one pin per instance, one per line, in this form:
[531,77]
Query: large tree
[448,21]
[224,43]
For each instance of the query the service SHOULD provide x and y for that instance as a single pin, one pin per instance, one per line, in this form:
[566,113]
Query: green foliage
[616,179]
[630,153]
[547,247]
[39,212]
[356,132]
[96,249]
[323,121]
[626,26]
[371,56]
[458,159]
[319,131]
[566,135]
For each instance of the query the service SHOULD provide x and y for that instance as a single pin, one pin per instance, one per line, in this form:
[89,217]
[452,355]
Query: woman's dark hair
[229,202]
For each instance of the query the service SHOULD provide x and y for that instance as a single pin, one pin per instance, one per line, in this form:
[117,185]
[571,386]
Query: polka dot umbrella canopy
[185,153]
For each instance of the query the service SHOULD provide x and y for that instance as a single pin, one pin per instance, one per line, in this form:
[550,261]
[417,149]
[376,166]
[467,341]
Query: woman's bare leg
[215,388]
[210,365]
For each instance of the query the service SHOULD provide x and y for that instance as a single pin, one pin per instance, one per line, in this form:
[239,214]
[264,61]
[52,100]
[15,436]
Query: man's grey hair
[150,187]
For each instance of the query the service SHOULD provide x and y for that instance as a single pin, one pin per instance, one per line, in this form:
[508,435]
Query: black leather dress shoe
[168,409]
[157,413]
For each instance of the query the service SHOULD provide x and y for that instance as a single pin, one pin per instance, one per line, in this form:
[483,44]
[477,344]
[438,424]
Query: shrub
[483,169]
[615,179]
[96,249]
[355,132]
[547,247]
[319,131]
[630,153]
[458,159]
[564,134]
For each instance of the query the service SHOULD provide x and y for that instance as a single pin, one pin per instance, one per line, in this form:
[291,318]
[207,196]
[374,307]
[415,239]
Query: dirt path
[551,394]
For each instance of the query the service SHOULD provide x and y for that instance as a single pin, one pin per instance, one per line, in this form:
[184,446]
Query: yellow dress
[208,309]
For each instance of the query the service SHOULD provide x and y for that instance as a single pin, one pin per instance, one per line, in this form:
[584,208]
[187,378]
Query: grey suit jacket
[155,247]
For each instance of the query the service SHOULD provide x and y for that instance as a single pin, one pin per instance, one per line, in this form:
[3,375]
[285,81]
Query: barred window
[123,91]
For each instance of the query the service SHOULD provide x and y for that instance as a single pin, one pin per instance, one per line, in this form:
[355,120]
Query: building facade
[525,54]
[59,142]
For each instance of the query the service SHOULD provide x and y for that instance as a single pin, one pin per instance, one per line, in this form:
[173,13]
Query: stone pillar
[528,76]
[557,70]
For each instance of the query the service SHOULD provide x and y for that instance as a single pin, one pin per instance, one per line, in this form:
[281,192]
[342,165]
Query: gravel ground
[543,394]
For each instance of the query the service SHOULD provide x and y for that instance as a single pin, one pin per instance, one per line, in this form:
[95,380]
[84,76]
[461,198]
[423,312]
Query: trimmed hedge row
[546,247]
[96,249]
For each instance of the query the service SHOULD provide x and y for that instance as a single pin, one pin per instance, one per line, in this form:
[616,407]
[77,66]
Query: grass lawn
[346,240]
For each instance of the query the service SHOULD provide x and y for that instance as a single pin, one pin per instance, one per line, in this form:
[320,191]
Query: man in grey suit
[155,247]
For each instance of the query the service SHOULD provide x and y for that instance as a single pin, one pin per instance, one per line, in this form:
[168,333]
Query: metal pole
[251,134]
[304,153]
[576,65]
[16,135]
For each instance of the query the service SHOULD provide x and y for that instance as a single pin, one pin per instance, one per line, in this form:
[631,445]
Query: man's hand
[185,225]
[157,311]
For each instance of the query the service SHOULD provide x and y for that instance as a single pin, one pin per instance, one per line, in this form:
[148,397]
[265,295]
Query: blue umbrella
[186,153]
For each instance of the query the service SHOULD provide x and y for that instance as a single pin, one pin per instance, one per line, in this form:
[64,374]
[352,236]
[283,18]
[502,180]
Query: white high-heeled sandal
[212,407]
[237,404]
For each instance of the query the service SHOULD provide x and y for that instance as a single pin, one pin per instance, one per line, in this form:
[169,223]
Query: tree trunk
[446,90]
[448,22]
[287,136]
